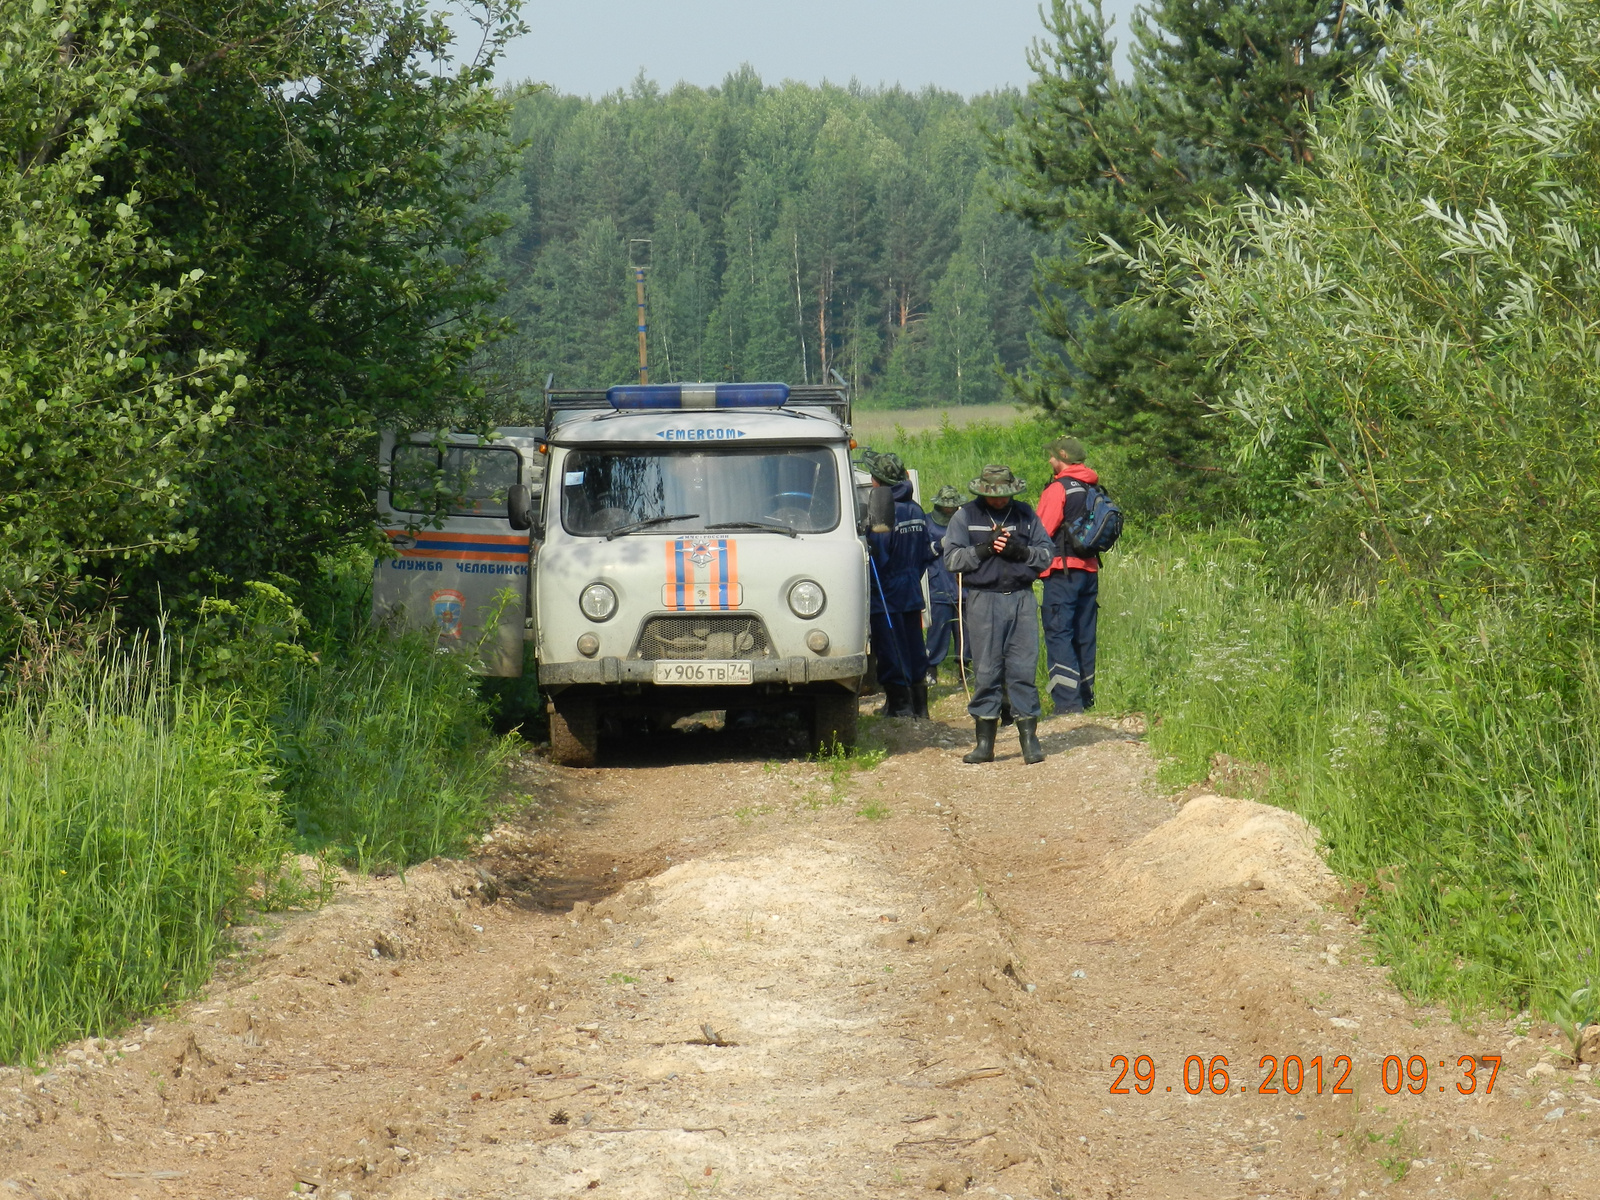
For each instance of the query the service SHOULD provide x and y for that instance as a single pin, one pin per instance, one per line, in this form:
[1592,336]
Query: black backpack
[1096,531]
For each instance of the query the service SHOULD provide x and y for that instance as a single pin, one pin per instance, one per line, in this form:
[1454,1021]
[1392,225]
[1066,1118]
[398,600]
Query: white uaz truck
[697,550]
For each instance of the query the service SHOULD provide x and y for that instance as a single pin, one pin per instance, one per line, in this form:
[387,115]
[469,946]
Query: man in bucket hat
[997,546]
[941,584]
[900,553]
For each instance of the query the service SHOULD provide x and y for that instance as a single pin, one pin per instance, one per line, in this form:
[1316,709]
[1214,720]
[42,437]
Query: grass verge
[147,795]
[1451,759]
[134,814]
[380,743]
[384,753]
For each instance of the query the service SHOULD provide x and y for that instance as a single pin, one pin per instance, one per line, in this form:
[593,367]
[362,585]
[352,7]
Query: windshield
[790,489]
[461,481]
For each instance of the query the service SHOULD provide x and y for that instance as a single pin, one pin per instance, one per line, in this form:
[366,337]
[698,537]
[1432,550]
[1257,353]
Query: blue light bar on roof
[699,395]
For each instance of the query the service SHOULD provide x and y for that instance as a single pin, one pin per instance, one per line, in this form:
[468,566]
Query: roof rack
[834,397]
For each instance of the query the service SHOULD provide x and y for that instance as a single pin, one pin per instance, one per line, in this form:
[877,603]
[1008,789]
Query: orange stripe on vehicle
[458,555]
[674,583]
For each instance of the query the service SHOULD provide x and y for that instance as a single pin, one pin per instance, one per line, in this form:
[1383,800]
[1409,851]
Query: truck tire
[574,732]
[833,721]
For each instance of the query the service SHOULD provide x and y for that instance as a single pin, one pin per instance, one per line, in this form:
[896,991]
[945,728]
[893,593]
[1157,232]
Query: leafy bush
[134,812]
[100,416]
[1418,341]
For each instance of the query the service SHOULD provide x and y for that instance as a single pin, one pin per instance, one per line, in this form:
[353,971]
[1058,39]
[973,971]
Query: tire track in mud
[757,992]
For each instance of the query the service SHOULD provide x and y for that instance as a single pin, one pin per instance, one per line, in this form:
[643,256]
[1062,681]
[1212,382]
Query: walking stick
[961,636]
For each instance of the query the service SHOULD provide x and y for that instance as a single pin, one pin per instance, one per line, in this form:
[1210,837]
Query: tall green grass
[134,811]
[380,743]
[144,792]
[1450,754]
[1146,489]
[384,753]
[955,455]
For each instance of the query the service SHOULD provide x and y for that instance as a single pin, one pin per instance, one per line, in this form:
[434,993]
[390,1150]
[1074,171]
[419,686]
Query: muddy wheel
[833,721]
[574,732]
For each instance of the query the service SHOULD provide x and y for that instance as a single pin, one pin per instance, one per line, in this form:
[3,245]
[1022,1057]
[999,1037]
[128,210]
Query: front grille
[703,637]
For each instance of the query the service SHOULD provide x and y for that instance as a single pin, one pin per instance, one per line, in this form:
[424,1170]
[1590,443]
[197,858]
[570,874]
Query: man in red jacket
[1071,585]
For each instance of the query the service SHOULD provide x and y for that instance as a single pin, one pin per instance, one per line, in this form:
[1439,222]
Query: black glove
[1015,550]
[984,551]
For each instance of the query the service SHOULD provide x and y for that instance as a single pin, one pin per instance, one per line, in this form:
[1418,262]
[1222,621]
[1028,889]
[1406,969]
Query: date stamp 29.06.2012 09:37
[1292,1075]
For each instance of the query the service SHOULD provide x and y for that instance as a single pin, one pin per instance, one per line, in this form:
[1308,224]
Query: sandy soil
[709,969]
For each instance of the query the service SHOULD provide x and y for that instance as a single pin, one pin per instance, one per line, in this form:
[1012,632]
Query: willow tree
[101,414]
[1415,339]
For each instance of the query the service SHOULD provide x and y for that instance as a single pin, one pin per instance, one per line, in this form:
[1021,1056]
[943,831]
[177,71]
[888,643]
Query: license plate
[669,671]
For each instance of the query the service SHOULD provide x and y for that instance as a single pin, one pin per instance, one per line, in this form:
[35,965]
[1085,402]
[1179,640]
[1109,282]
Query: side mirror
[519,506]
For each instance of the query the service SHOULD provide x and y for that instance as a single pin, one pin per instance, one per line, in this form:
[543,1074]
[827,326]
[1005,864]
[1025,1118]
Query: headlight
[599,603]
[806,599]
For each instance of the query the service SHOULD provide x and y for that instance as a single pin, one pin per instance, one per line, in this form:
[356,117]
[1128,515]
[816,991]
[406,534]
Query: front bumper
[845,668]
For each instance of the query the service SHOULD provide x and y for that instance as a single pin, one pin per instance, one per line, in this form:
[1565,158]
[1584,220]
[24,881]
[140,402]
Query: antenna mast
[644,325]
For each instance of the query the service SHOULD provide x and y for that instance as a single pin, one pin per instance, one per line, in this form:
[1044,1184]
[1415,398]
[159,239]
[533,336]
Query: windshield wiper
[634,526]
[769,526]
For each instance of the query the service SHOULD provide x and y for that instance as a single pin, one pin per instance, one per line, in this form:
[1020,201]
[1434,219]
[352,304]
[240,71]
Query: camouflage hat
[947,497]
[997,480]
[1067,449]
[887,468]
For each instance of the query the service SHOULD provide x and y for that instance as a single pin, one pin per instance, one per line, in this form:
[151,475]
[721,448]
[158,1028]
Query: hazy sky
[590,47]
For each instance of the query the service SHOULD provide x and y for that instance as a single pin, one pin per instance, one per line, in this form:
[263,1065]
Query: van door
[459,569]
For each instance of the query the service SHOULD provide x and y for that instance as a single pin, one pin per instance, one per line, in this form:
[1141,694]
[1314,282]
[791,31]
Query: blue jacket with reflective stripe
[900,556]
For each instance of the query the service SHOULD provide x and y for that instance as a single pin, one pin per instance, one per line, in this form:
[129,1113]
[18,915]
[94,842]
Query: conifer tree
[1219,101]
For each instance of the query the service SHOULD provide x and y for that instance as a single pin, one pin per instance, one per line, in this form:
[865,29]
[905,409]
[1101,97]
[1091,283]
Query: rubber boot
[897,700]
[984,751]
[919,701]
[1028,735]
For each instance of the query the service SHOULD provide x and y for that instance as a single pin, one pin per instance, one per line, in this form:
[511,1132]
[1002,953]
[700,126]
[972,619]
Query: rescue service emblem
[449,607]
[702,573]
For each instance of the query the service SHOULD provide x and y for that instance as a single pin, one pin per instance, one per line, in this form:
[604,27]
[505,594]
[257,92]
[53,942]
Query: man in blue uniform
[942,606]
[998,547]
[900,552]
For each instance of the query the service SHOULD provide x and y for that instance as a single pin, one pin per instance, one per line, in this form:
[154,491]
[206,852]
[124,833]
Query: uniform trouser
[1003,634]
[897,642]
[1071,606]
[941,628]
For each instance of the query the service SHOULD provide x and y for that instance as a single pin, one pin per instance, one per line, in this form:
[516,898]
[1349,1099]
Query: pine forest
[786,232]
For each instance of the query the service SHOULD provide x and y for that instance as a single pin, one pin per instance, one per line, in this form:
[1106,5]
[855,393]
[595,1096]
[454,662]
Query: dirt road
[709,969]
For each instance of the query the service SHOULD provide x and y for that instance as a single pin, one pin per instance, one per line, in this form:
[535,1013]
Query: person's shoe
[1005,716]
[1028,735]
[897,700]
[984,751]
[919,701]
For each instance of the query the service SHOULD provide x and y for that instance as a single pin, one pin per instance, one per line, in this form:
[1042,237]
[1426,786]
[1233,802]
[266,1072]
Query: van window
[792,486]
[460,481]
